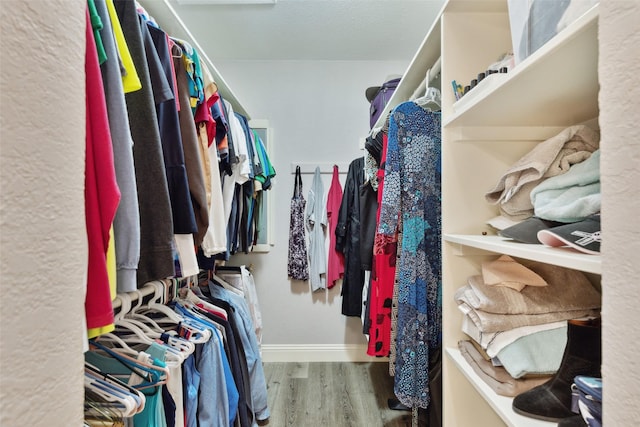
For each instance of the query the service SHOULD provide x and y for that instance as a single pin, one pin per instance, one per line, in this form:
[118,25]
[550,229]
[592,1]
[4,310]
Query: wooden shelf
[563,257]
[500,404]
[529,94]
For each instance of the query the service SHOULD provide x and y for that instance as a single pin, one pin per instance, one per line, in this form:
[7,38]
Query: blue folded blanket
[570,197]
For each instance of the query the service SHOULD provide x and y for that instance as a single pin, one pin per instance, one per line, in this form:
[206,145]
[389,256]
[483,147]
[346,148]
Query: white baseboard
[317,353]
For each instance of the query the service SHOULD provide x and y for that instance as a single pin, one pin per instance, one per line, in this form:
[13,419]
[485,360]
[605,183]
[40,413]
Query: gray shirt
[126,224]
[316,218]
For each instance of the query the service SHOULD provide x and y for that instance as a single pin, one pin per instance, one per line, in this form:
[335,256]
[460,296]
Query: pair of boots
[551,401]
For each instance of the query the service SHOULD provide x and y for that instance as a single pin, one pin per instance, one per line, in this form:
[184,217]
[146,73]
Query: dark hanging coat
[348,240]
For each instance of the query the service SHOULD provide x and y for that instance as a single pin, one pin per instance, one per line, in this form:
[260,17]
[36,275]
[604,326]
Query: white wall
[318,113]
[42,232]
[619,69]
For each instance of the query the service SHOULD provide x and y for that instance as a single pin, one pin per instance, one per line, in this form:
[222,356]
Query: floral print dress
[411,202]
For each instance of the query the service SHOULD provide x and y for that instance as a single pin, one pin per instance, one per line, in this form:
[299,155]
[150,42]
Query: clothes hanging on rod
[382,280]
[348,240]
[101,192]
[161,109]
[297,258]
[203,342]
[156,173]
[241,278]
[316,223]
[413,167]
[335,261]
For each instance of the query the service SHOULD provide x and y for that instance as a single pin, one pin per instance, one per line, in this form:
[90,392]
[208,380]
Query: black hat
[527,231]
[583,235]
[372,91]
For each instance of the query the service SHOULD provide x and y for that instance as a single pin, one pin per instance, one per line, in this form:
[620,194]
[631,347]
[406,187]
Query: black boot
[551,401]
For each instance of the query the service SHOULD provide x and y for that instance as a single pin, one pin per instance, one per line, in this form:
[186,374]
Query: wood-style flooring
[337,394]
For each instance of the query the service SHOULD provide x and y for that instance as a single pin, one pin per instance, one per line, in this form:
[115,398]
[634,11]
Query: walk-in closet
[350,213]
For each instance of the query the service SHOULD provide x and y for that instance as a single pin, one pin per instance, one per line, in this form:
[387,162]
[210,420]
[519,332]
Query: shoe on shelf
[551,401]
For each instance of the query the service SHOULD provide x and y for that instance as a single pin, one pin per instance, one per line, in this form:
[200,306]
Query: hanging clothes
[102,194]
[242,279]
[316,221]
[240,314]
[156,224]
[159,58]
[348,240]
[368,211]
[298,264]
[130,79]
[126,224]
[335,263]
[192,156]
[411,201]
[382,279]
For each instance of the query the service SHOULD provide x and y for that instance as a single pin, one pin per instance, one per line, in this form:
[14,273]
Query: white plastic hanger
[197,333]
[218,280]
[431,101]
[121,345]
[149,322]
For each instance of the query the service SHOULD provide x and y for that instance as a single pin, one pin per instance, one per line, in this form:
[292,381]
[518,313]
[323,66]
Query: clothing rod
[407,81]
[149,289]
[220,82]
[431,75]
[435,69]
[144,291]
[325,167]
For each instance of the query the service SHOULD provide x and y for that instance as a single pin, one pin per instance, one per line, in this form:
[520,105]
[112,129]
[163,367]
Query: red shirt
[335,264]
[102,194]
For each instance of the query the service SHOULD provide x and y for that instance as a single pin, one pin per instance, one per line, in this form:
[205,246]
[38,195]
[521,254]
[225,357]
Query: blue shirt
[249,340]
[215,408]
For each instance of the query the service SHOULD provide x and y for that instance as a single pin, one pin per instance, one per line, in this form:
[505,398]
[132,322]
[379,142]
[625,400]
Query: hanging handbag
[298,263]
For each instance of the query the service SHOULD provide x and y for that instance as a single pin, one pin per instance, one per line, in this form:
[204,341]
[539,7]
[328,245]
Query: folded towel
[494,342]
[535,354]
[549,158]
[497,378]
[570,197]
[492,322]
[567,290]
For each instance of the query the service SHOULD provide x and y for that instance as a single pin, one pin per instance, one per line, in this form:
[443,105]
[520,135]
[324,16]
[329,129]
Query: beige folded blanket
[492,322]
[497,377]
[549,158]
[567,290]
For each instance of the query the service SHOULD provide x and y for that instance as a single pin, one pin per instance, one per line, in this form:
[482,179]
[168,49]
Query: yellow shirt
[130,81]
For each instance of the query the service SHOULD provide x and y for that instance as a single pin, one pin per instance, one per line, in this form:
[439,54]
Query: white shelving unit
[483,134]
[500,404]
[555,86]
[563,257]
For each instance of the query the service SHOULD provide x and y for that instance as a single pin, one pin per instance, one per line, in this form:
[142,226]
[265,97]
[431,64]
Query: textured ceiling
[307,29]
